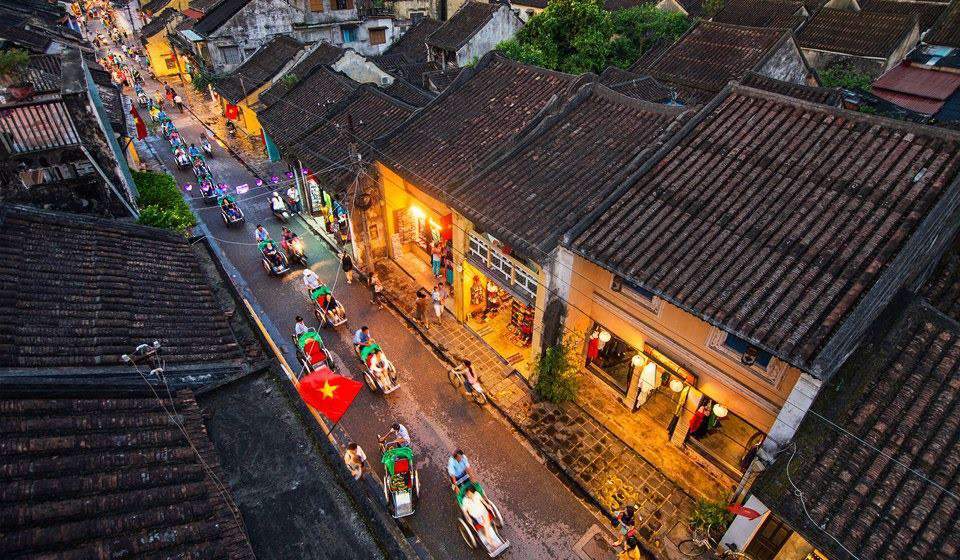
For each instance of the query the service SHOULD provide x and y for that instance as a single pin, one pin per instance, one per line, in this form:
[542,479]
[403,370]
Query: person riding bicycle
[261,233]
[300,326]
[361,338]
[311,280]
[469,376]
[397,436]
[459,469]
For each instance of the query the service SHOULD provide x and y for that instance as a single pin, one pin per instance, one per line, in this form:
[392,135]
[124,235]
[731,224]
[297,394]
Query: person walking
[420,309]
[346,264]
[178,101]
[438,298]
[376,290]
[435,259]
[355,459]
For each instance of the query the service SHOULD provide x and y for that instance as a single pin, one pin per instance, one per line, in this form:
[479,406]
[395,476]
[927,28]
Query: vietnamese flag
[141,127]
[329,393]
[231,111]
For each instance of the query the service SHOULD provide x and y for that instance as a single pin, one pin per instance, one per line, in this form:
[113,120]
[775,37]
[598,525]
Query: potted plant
[709,519]
[13,63]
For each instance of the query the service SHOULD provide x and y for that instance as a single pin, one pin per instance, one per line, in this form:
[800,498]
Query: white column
[790,416]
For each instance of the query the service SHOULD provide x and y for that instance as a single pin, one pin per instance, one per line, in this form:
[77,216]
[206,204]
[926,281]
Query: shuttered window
[378,36]
[316,5]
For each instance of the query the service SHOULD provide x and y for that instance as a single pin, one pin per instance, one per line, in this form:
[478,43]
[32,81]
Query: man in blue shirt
[458,467]
[361,338]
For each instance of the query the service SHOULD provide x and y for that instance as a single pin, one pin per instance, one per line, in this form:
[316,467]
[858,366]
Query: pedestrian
[624,521]
[355,459]
[376,290]
[435,259]
[438,298]
[420,309]
[448,267]
[346,264]
[178,101]
[631,548]
[293,199]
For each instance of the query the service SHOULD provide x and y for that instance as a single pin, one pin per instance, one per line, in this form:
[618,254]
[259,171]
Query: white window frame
[508,269]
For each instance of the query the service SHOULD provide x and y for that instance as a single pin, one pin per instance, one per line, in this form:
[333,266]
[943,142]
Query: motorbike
[231,129]
[296,251]
[280,212]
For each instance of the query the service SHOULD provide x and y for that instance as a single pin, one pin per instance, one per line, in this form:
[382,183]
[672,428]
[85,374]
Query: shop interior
[418,233]
[714,432]
[501,319]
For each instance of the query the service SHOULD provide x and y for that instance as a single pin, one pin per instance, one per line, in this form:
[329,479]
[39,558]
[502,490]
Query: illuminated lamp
[720,411]
[637,360]
[605,336]
[676,385]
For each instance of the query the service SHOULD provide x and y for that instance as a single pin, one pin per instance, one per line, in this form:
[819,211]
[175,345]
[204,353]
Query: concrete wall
[403,8]
[363,45]
[751,392]
[503,25]
[787,64]
[525,12]
[362,70]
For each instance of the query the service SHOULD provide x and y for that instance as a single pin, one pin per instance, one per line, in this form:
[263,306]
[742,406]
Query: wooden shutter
[378,36]
[316,5]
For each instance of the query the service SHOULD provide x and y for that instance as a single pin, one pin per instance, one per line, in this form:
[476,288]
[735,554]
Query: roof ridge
[10,210]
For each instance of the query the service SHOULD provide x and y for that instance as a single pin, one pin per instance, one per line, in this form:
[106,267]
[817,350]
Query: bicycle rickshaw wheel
[479,398]
[691,548]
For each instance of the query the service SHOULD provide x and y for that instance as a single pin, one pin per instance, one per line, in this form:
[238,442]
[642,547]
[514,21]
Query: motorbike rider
[397,436]
[362,338]
[277,203]
[261,233]
[311,280]
[205,144]
[231,128]
[287,239]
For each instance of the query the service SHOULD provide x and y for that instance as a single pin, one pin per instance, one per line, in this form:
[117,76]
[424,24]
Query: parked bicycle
[458,378]
[701,545]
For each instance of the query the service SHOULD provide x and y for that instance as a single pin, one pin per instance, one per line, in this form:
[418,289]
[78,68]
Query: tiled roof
[869,34]
[159,22]
[30,40]
[942,289]
[441,79]
[613,5]
[320,54]
[762,13]
[373,114]
[416,72]
[154,6]
[592,141]
[946,32]
[916,88]
[203,5]
[113,478]
[462,26]
[218,15]
[408,93]
[645,88]
[487,105]
[772,217]
[412,44]
[77,291]
[258,69]
[613,75]
[651,54]
[304,106]
[874,476]
[826,96]
[711,54]
[927,12]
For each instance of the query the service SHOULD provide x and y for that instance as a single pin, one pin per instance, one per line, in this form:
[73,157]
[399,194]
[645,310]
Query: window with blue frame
[349,33]
[749,353]
[636,292]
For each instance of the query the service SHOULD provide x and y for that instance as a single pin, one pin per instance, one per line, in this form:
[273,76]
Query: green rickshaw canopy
[309,335]
[390,457]
[367,350]
[321,291]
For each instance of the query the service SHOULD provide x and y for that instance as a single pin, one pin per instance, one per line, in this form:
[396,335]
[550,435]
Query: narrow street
[544,519]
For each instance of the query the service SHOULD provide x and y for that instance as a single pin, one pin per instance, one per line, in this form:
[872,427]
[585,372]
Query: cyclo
[382,378]
[327,309]
[401,482]
[480,520]
[311,352]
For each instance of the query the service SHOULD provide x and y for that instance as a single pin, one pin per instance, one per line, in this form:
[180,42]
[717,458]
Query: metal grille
[40,126]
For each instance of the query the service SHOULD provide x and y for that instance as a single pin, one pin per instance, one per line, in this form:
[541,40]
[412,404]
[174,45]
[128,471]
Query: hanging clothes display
[648,382]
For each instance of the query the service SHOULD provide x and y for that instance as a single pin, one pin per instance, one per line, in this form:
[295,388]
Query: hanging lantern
[676,385]
[720,411]
[289,174]
[605,336]
[259,182]
[274,179]
[188,187]
[305,171]
[637,360]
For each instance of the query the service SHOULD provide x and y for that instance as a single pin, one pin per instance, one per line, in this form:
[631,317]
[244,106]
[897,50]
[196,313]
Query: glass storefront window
[724,438]
[610,358]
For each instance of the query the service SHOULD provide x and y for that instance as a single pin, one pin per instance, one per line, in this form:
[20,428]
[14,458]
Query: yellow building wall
[752,393]
[247,120]
[159,54]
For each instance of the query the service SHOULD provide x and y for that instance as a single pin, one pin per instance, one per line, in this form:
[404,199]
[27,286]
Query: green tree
[555,370]
[579,36]
[161,204]
[845,76]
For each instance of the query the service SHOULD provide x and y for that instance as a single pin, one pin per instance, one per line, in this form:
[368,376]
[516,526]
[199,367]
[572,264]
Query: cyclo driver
[361,338]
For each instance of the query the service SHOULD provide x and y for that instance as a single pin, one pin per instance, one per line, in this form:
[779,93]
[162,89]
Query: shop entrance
[501,318]
[422,245]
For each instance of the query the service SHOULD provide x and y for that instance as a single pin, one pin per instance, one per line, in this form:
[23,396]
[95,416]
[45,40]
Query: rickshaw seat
[401,466]
[314,351]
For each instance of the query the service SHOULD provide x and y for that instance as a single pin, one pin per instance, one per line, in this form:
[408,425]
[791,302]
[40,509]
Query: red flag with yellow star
[329,393]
